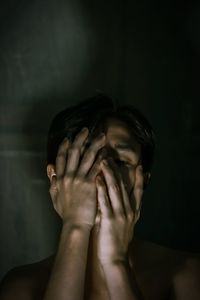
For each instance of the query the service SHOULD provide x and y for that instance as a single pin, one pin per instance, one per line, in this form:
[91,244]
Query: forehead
[120,136]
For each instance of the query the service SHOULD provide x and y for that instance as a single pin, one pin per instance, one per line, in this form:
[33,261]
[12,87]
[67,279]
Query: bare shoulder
[163,272]
[26,282]
[186,279]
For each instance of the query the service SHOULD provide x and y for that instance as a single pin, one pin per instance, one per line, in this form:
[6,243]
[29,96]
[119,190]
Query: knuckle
[97,144]
[60,155]
[60,158]
[90,152]
[70,150]
[130,216]
[63,146]
[121,218]
[74,149]
[66,180]
[77,180]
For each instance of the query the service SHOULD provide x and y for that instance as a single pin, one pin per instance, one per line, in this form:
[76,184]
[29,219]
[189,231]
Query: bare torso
[160,269]
[161,273]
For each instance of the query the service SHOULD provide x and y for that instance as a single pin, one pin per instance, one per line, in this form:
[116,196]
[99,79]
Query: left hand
[116,218]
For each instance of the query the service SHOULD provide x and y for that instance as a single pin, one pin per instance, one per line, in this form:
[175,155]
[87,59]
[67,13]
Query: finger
[138,187]
[61,157]
[102,197]
[126,199]
[95,170]
[113,188]
[72,160]
[74,151]
[90,155]
[81,138]
[98,217]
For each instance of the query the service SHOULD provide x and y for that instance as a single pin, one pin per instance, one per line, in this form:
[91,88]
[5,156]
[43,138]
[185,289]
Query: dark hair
[93,113]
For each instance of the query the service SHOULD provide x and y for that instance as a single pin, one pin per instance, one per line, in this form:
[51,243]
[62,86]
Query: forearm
[68,273]
[120,282]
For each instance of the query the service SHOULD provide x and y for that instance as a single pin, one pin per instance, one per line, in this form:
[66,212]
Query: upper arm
[15,286]
[186,282]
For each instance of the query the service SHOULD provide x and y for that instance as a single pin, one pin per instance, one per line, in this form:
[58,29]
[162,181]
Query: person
[99,160]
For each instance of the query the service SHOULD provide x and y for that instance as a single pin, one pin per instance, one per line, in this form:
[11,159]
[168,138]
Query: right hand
[73,189]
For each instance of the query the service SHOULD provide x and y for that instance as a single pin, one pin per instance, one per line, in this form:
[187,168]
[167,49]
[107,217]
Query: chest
[155,283]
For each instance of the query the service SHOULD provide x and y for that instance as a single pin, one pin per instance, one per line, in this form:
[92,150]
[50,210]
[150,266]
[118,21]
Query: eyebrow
[124,147]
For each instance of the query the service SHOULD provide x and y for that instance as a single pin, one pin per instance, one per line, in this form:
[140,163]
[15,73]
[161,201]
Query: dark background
[54,53]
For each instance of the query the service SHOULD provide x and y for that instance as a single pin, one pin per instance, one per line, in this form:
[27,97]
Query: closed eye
[122,163]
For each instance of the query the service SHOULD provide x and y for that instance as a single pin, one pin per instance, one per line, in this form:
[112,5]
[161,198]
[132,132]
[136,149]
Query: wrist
[114,261]
[74,235]
[72,225]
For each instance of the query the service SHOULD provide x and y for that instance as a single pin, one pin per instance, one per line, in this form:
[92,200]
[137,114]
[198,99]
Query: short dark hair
[93,113]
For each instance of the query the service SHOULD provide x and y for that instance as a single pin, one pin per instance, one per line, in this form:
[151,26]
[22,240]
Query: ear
[51,173]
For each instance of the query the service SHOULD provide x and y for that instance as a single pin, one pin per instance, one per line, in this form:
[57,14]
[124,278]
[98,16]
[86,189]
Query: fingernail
[102,134]
[84,129]
[104,162]
[140,168]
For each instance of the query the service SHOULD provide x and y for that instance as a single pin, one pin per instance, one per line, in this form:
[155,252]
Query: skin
[81,190]
[100,205]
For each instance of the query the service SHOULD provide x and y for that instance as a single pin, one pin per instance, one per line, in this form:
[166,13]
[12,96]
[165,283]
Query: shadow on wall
[48,63]
[55,53]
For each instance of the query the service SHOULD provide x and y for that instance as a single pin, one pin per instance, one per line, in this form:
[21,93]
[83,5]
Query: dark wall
[53,54]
